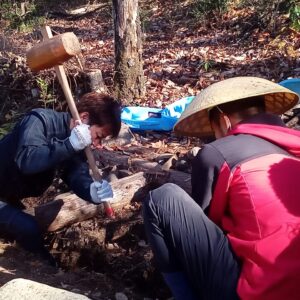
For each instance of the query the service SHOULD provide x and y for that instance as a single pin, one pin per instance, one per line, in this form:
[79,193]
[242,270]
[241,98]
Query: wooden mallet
[53,52]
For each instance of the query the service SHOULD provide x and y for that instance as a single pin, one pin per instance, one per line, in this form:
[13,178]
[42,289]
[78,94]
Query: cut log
[94,81]
[68,208]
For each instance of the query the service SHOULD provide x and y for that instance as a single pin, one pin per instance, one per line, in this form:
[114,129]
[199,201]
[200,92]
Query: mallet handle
[61,74]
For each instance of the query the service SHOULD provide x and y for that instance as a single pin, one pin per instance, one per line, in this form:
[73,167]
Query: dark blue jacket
[35,151]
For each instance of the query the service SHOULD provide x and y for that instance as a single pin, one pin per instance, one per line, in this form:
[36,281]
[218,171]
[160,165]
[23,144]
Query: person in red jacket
[237,237]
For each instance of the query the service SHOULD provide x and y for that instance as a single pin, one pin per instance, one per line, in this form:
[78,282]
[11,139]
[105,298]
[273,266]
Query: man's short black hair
[103,110]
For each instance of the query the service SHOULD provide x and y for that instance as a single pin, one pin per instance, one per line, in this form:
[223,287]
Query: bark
[129,78]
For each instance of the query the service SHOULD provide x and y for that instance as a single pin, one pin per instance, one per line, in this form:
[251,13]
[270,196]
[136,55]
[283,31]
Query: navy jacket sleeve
[37,151]
[205,171]
[76,175]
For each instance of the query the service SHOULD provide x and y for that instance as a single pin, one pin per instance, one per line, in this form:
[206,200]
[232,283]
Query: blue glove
[101,191]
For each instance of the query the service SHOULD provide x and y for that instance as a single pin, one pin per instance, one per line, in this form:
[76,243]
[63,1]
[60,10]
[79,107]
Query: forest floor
[99,257]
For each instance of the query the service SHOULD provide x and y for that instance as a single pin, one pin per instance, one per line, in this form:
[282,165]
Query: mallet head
[53,51]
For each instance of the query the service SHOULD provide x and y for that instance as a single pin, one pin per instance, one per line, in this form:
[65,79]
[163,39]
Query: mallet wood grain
[53,51]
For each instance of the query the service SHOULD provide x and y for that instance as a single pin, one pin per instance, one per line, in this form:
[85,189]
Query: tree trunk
[129,77]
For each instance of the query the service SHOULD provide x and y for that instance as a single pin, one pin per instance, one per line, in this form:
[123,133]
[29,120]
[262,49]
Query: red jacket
[257,203]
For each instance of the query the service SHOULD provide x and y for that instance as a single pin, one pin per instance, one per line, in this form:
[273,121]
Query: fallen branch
[160,173]
[67,209]
[77,13]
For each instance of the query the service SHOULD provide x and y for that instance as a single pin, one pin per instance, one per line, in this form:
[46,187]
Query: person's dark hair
[103,110]
[245,108]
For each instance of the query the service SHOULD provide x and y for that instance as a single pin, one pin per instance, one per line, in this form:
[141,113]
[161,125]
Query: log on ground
[67,209]
[152,168]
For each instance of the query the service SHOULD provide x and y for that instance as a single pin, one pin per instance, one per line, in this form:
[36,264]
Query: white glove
[101,191]
[80,137]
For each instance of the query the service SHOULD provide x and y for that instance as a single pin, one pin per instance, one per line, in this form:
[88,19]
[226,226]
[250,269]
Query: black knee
[168,196]
[27,233]
[156,198]
[167,192]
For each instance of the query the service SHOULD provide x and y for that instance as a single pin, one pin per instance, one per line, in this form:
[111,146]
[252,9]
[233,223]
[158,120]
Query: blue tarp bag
[292,84]
[160,119]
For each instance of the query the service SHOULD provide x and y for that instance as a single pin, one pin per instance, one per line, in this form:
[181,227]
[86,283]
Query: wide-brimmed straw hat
[194,121]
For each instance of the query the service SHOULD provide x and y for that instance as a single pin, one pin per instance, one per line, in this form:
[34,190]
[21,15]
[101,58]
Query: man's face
[98,133]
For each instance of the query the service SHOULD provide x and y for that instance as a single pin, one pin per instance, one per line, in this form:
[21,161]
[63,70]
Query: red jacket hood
[286,138]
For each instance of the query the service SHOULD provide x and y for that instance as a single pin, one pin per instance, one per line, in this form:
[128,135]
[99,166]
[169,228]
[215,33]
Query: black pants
[184,240]
[20,226]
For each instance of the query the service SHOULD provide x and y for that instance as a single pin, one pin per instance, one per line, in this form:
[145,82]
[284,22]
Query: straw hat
[194,120]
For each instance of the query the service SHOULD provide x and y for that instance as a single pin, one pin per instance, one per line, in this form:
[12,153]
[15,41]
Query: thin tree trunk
[129,79]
